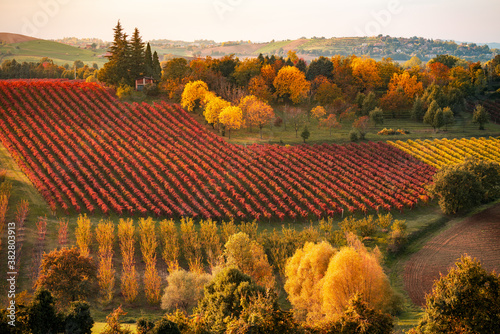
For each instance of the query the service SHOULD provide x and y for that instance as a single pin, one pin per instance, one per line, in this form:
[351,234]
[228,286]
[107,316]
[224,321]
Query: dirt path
[477,236]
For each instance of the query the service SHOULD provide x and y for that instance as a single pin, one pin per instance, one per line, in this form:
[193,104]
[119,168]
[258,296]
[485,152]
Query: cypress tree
[156,67]
[137,56]
[148,62]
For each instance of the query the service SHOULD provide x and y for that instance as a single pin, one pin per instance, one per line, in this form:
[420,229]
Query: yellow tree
[210,239]
[231,118]
[291,84]
[193,94]
[152,280]
[318,112]
[256,112]
[170,242]
[126,235]
[191,245]
[84,234]
[213,108]
[304,272]
[354,270]
[105,235]
[249,256]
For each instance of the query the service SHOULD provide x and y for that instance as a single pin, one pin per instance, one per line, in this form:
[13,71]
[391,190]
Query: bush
[184,290]
[463,186]
[124,91]
[466,300]
[151,89]
[353,135]
[225,298]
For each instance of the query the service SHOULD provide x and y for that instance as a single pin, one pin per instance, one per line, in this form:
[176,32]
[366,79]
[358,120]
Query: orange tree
[256,112]
[67,274]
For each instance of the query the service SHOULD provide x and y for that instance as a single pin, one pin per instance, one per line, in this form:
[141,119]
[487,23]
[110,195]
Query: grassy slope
[463,127]
[60,53]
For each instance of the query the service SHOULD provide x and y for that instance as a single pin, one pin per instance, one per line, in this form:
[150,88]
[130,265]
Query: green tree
[79,320]
[448,117]
[116,70]
[305,134]
[67,274]
[225,297]
[418,109]
[480,116]
[42,315]
[320,66]
[148,61]
[176,68]
[430,114]
[457,189]
[439,120]
[156,67]
[369,103]
[377,116]
[466,300]
[136,56]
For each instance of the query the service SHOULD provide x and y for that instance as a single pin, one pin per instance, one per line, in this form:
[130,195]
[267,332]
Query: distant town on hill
[397,48]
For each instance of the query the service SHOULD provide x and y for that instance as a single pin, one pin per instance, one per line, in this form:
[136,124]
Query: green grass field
[33,51]
[285,134]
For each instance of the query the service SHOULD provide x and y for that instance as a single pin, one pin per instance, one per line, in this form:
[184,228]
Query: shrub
[353,135]
[463,186]
[151,89]
[124,91]
[225,297]
[466,300]
[184,290]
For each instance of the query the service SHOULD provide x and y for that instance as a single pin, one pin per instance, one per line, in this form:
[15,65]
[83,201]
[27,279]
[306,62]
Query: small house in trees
[141,82]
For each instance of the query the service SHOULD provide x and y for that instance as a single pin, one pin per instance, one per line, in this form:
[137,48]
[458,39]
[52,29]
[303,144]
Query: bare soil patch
[477,236]
[15,38]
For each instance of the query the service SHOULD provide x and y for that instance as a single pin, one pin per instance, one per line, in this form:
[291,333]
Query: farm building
[141,82]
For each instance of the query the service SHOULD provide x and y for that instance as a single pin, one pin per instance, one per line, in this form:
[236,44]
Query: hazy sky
[255,20]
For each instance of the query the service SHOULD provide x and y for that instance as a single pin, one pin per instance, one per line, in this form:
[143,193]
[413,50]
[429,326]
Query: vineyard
[442,152]
[85,151]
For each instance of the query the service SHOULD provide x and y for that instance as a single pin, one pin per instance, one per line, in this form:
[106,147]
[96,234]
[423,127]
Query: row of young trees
[331,290]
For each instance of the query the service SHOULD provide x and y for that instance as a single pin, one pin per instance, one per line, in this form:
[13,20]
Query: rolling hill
[25,48]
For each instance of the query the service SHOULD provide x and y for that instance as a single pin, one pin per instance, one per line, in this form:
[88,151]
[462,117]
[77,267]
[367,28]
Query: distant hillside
[24,48]
[375,47]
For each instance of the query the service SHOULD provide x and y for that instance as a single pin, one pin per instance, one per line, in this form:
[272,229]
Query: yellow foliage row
[443,152]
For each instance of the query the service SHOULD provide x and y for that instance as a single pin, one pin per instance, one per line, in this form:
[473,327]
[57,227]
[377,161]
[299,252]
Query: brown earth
[477,236]
[15,38]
